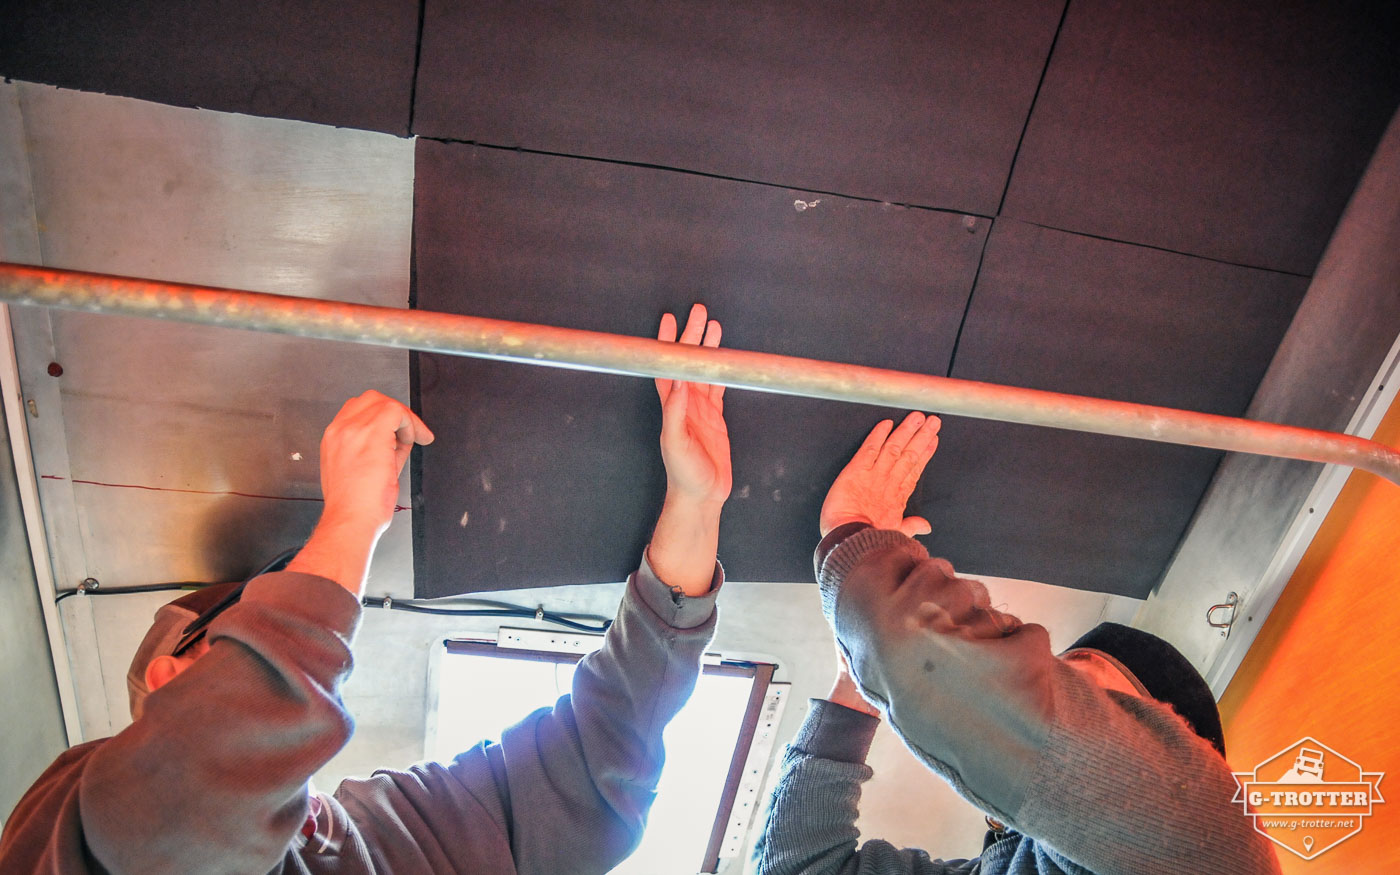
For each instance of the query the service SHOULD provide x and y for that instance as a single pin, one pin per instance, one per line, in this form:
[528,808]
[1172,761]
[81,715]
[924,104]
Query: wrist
[339,549]
[703,510]
[828,525]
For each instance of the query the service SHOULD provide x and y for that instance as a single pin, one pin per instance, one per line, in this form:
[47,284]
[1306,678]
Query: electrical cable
[415,606]
[500,609]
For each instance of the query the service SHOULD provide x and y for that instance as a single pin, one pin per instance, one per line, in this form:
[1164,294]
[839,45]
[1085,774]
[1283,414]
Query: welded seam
[417,62]
[645,165]
[1011,172]
[967,308]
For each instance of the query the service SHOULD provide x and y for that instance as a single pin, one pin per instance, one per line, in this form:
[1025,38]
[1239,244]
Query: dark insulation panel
[338,62]
[906,101]
[541,476]
[1068,313]
[1233,130]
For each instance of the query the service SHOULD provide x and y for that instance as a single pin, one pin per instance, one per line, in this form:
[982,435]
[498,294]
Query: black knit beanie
[1165,674]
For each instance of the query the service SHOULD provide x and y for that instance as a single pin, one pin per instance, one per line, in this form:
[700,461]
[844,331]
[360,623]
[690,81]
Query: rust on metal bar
[644,357]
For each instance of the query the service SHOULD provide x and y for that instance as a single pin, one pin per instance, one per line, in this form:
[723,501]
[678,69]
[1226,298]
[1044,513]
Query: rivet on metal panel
[970,223]
[55,369]
[1232,603]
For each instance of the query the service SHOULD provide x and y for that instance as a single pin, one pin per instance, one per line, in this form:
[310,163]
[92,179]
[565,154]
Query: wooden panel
[907,101]
[556,473]
[1324,664]
[1230,130]
[1068,313]
[339,62]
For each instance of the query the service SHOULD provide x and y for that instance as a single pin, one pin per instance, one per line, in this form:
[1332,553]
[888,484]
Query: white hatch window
[708,788]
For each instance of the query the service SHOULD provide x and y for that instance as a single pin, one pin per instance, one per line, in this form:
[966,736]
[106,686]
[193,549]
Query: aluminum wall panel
[177,452]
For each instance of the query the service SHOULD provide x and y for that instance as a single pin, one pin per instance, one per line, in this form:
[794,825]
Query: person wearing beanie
[1105,760]
[236,700]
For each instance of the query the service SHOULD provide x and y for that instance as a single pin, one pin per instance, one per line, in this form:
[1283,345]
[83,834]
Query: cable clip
[388,603]
[89,584]
[1232,604]
[539,613]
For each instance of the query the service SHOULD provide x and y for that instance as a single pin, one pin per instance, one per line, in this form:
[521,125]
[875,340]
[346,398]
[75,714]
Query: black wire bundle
[416,606]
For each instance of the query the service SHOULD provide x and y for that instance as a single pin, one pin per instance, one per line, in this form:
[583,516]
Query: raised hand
[875,485]
[695,449]
[694,437]
[363,452]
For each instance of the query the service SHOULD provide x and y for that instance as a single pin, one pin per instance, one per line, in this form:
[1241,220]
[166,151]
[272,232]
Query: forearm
[983,701]
[684,543]
[340,549]
[581,776]
[218,763]
[810,827]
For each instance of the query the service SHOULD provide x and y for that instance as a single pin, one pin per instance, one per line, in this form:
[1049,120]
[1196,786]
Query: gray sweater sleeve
[1114,783]
[811,828]
[567,789]
[213,776]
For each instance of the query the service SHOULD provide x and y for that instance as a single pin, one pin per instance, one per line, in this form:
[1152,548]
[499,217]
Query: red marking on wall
[397,507]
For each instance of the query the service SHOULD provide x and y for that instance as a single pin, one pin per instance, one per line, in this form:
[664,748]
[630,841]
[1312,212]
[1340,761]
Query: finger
[666,332]
[918,451]
[694,325]
[899,438]
[870,447]
[911,479]
[915,525]
[673,415]
[713,332]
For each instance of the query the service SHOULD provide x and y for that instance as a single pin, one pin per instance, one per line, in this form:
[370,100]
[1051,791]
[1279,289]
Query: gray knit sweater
[213,777]
[1087,780]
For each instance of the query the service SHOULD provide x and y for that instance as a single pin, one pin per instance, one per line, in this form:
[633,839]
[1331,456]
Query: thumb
[915,525]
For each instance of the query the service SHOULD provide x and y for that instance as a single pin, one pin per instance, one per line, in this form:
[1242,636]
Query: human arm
[810,827]
[212,776]
[569,788]
[1113,782]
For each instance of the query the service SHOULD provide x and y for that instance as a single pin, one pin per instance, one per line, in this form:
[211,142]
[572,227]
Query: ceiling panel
[339,62]
[541,476]
[1230,130]
[1068,313]
[907,101]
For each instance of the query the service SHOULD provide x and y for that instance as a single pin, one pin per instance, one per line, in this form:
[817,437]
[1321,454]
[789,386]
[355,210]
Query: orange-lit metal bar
[642,357]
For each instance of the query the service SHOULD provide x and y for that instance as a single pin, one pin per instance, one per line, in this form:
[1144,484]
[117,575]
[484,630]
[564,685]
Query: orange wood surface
[1327,663]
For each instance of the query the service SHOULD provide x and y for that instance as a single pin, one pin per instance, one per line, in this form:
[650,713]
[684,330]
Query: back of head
[1164,672]
[169,626]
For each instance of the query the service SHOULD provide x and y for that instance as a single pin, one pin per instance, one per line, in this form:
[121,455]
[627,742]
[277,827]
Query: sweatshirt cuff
[835,732]
[307,597]
[674,607]
[849,545]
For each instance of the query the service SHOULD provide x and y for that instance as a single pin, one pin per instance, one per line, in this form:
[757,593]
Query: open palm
[694,437]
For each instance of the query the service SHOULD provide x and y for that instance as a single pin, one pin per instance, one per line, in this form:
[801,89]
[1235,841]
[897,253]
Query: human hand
[875,485]
[363,451]
[694,437]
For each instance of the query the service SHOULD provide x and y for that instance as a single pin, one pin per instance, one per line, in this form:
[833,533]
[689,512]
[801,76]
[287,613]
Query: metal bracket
[1232,603]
